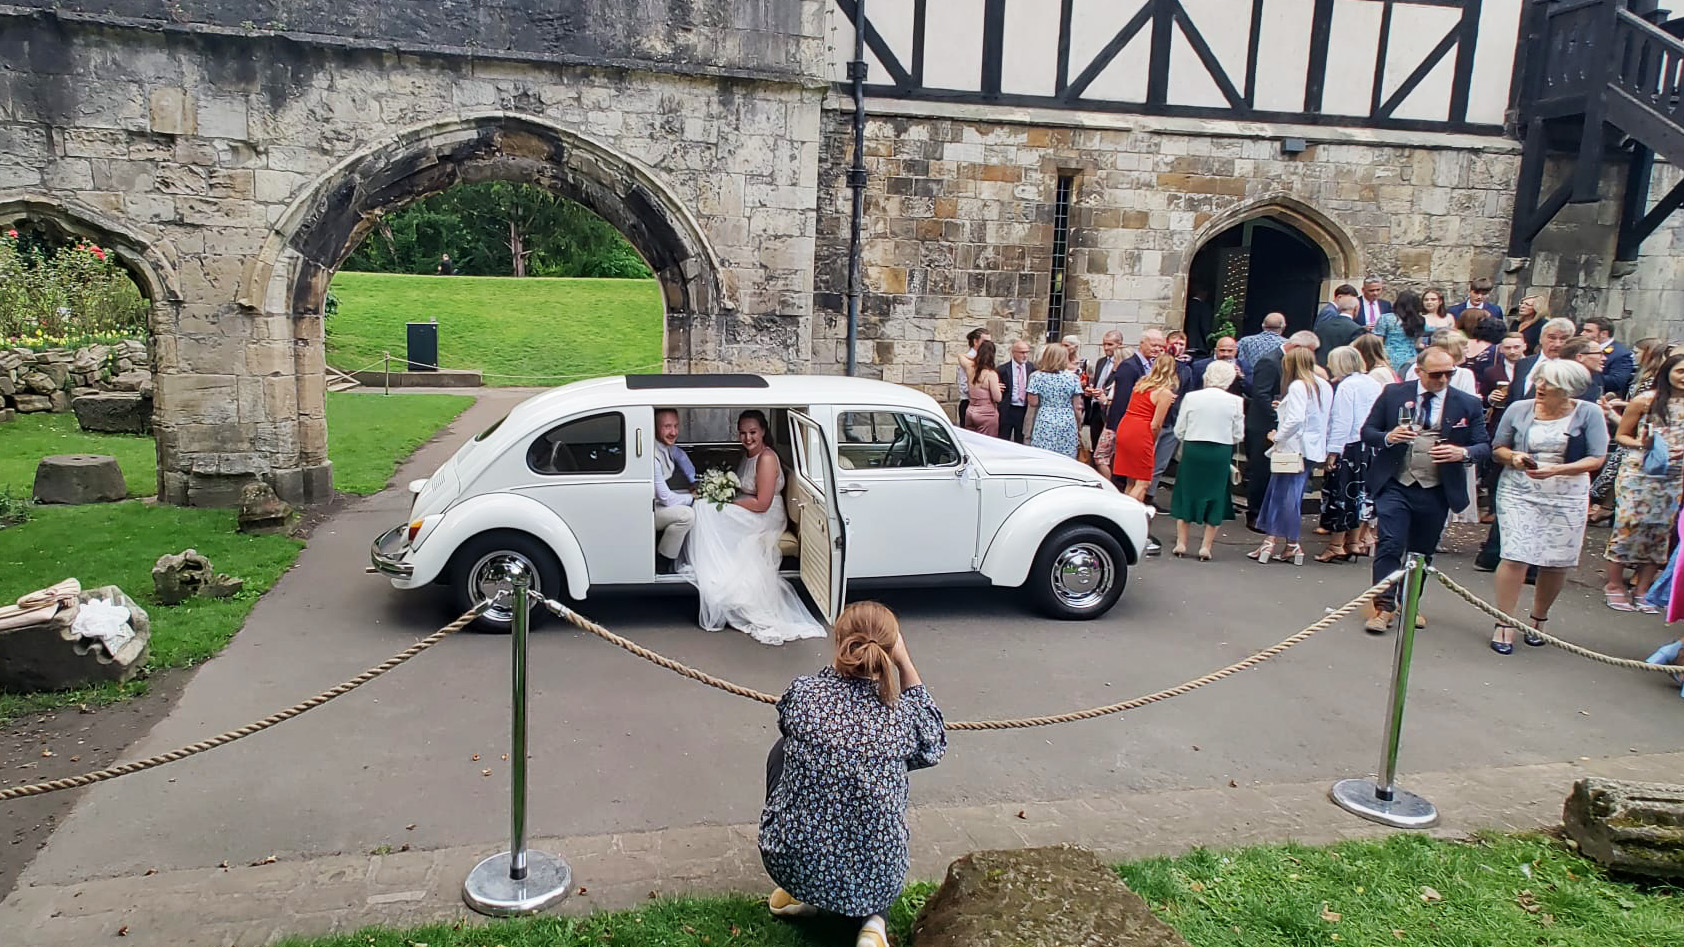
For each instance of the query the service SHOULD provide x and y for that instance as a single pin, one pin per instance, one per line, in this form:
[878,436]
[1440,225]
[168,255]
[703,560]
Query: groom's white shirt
[667,459]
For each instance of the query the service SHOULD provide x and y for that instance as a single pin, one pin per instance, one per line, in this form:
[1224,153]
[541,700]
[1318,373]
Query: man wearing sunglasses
[1425,432]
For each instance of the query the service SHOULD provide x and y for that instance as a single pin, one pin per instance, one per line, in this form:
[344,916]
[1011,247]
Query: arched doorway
[286,284]
[1276,256]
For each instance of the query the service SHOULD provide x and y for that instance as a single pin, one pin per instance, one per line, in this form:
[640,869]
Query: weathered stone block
[41,383]
[177,577]
[1039,897]
[1628,826]
[30,404]
[261,511]
[171,112]
[79,478]
[114,412]
[130,380]
[53,655]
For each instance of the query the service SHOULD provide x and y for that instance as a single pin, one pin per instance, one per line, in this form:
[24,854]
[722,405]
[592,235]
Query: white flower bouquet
[718,486]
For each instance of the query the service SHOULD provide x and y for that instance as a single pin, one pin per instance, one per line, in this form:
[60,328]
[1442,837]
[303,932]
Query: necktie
[1426,419]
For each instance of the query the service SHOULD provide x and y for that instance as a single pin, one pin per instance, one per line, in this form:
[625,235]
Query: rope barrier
[1327,621]
[222,739]
[1465,595]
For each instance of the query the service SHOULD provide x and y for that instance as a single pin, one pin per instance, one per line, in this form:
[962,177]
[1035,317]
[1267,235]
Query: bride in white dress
[732,556]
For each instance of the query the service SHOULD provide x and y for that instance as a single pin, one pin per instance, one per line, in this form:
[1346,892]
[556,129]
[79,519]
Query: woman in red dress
[1137,432]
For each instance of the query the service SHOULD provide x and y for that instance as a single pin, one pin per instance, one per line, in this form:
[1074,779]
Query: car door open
[823,541]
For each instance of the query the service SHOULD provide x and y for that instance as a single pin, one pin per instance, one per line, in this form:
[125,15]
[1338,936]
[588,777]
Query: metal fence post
[386,375]
[1379,800]
[517,881]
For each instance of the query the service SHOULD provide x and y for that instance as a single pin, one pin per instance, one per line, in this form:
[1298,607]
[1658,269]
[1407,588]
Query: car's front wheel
[478,574]
[1079,573]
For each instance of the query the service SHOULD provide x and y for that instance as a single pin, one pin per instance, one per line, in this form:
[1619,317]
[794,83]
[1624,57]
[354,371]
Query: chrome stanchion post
[386,376]
[1379,800]
[517,881]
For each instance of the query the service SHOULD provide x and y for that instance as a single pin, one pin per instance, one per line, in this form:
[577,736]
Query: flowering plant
[718,486]
[51,292]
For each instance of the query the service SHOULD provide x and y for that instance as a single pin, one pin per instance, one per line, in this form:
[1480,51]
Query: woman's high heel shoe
[1179,552]
[1263,552]
[1294,552]
[1532,637]
[1335,554]
[1502,647]
[1204,555]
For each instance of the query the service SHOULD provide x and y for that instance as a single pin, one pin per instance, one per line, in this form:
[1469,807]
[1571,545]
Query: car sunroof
[648,382]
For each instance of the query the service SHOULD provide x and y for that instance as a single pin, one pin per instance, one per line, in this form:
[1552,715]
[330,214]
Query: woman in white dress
[732,556]
[1548,447]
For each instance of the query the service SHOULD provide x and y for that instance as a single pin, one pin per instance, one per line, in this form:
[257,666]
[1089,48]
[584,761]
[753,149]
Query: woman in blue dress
[1402,330]
[1055,392]
[833,833]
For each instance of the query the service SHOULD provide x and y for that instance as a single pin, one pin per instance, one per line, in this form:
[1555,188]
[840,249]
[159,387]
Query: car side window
[870,440]
[591,445]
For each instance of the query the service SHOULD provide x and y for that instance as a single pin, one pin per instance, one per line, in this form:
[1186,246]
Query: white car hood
[1001,457]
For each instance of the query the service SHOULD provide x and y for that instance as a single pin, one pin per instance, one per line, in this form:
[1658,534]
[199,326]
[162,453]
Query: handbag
[1286,462]
[1657,460]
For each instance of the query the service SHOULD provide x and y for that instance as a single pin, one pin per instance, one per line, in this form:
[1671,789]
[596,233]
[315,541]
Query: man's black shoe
[1153,547]
[1482,564]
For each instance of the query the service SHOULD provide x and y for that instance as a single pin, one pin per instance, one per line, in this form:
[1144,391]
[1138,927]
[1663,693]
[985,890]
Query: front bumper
[387,553]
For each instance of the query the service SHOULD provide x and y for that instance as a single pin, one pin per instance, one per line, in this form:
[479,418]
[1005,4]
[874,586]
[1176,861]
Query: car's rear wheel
[478,575]
[1079,573]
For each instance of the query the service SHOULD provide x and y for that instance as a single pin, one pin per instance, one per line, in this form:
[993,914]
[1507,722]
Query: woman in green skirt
[1211,422]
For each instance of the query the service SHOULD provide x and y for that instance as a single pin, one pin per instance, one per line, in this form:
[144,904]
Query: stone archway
[145,257]
[1275,254]
[286,283]
[325,223]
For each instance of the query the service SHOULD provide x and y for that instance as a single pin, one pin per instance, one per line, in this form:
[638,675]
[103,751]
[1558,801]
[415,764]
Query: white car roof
[682,391]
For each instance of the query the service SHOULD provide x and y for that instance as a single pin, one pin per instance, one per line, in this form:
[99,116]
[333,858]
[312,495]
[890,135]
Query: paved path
[252,905]
[623,747]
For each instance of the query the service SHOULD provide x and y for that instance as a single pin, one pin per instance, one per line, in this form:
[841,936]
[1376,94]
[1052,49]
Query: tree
[499,228]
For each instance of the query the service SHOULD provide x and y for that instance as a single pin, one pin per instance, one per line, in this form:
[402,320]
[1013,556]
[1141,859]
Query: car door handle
[851,489]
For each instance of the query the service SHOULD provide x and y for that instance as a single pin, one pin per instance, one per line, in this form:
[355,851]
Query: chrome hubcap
[1082,575]
[490,576]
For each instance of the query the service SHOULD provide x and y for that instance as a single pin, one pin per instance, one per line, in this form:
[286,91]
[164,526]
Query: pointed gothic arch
[1302,254]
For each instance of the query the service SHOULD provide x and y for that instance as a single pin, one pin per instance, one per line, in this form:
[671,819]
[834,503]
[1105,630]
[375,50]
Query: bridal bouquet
[718,486]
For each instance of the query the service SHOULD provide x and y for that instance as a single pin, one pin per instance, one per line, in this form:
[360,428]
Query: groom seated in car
[673,515]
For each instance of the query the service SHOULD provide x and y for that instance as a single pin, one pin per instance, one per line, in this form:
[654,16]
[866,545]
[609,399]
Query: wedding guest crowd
[1416,411]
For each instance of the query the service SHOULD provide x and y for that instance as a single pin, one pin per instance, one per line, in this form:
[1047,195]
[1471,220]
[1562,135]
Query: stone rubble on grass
[1059,896]
[50,380]
[261,511]
[1628,826]
[41,650]
[114,412]
[177,577]
[79,478]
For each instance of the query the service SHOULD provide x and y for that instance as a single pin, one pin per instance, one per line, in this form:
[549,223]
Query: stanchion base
[1405,810]
[489,889]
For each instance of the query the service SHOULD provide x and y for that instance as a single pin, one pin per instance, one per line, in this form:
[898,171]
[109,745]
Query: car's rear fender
[1013,548]
[491,511]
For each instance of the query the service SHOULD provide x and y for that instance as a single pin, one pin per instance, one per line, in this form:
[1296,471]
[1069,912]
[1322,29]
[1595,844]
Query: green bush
[64,294]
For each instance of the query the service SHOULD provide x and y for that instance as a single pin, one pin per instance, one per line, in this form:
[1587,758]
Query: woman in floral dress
[1646,506]
[1055,392]
[833,833]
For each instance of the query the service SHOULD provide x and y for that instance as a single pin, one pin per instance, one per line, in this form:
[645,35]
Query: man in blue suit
[1619,363]
[1417,476]
[1371,307]
[1479,297]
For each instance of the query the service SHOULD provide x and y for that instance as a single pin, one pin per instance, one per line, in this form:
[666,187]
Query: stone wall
[50,379]
[202,159]
[959,225]
[959,228]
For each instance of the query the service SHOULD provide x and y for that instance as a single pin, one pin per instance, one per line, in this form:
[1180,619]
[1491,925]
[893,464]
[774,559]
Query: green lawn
[30,437]
[1406,889]
[529,331]
[369,434]
[116,543]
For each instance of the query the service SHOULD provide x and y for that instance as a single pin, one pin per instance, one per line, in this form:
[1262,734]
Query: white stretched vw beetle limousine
[880,488]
